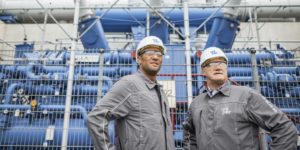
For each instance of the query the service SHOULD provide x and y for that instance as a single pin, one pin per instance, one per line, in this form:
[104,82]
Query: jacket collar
[150,84]
[224,89]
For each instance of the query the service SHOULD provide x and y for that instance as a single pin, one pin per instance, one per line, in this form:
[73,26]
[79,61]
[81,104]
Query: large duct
[224,28]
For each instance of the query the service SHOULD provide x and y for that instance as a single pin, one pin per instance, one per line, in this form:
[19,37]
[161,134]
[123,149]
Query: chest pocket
[149,102]
[228,117]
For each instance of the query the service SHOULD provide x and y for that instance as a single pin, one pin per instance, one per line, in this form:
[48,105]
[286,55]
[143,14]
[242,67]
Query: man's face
[150,61]
[216,72]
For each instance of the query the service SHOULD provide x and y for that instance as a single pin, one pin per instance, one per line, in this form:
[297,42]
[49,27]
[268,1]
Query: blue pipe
[48,108]
[291,110]
[106,80]
[239,71]
[10,90]
[286,70]
[245,58]
[223,33]
[93,71]
[295,92]
[35,131]
[30,89]
[135,17]
[50,90]
[94,39]
[88,90]
[33,137]
[10,70]
[52,69]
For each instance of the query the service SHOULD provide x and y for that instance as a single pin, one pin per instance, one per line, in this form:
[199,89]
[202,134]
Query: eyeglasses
[152,53]
[215,64]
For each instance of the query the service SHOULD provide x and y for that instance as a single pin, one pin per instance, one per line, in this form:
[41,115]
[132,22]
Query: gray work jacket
[230,120]
[140,121]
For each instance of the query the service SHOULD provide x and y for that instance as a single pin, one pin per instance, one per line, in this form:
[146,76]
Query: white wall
[285,33]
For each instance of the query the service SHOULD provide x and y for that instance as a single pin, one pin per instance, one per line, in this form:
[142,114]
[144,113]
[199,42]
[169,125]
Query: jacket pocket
[197,120]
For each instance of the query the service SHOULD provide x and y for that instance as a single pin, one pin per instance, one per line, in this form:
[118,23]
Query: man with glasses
[228,117]
[138,105]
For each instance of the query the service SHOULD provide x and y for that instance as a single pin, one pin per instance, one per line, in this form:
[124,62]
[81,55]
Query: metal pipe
[63,10]
[257,29]
[48,107]
[44,30]
[231,12]
[64,143]
[10,90]
[85,13]
[100,75]
[187,52]
[148,23]
[53,18]
[262,133]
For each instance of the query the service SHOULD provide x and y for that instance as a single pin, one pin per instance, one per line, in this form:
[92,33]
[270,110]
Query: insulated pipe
[231,12]
[85,13]
[156,3]
[23,9]
[272,12]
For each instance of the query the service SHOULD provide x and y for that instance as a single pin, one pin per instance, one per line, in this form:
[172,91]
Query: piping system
[221,23]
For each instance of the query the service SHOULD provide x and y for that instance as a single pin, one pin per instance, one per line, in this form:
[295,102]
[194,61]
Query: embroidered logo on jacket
[225,111]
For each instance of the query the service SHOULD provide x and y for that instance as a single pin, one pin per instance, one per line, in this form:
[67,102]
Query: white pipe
[187,52]
[44,30]
[273,12]
[85,13]
[148,23]
[17,8]
[231,11]
[155,3]
[67,113]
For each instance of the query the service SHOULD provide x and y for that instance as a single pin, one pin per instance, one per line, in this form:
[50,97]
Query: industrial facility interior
[59,57]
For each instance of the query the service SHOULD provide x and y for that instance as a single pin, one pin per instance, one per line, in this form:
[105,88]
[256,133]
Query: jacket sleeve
[189,137]
[266,115]
[115,104]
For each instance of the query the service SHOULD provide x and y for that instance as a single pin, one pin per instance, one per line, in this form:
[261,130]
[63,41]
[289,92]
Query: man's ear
[138,60]
[203,71]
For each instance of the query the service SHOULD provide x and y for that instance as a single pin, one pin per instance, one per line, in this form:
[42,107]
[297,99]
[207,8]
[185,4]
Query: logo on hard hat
[155,41]
[213,52]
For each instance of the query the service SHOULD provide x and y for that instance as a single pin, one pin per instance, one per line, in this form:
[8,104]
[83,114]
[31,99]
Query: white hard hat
[212,52]
[150,41]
